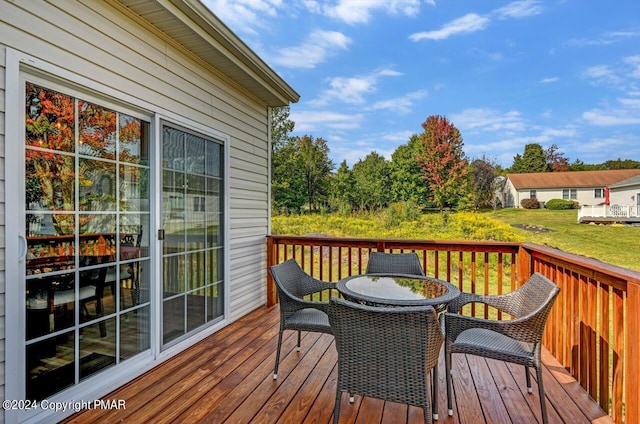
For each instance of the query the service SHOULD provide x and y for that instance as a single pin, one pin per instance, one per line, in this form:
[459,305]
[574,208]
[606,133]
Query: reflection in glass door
[192,217]
[87,227]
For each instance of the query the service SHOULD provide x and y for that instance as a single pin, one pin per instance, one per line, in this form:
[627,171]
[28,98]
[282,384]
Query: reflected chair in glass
[517,340]
[130,274]
[386,353]
[394,263]
[92,285]
[293,285]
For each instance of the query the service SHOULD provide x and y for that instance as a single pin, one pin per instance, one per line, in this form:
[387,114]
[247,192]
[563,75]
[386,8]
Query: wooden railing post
[525,265]
[271,257]
[631,353]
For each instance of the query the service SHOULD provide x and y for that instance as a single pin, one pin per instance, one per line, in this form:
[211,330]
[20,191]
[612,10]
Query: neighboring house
[135,150]
[584,187]
[626,192]
[623,205]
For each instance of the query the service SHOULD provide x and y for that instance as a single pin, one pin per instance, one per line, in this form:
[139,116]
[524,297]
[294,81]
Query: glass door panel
[87,228]
[191,216]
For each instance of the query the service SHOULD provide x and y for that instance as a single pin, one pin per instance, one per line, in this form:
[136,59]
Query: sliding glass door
[86,212]
[192,223]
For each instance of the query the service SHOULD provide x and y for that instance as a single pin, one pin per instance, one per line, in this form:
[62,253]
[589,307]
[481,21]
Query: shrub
[531,203]
[561,204]
[400,212]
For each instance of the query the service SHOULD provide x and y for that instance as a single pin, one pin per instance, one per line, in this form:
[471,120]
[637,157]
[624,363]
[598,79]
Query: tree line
[431,170]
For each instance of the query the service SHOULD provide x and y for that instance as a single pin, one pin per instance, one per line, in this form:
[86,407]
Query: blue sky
[505,73]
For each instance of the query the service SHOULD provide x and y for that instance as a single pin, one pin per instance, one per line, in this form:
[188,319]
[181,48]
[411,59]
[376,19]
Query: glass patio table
[398,290]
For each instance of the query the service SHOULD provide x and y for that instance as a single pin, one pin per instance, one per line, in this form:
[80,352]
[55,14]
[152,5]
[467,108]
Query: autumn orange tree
[443,163]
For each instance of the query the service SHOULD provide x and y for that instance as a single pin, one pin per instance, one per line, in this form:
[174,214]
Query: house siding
[625,195]
[584,196]
[103,42]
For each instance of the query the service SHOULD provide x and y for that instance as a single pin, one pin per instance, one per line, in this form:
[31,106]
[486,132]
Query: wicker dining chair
[386,353]
[390,263]
[296,313]
[517,340]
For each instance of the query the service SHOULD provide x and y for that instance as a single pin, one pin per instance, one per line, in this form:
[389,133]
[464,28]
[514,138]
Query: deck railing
[594,327]
[608,211]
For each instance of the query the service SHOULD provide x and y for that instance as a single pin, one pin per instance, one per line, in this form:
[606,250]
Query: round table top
[397,289]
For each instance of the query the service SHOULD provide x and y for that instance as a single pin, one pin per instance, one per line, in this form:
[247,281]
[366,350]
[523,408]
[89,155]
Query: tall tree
[443,161]
[484,182]
[288,189]
[556,162]
[316,167]
[371,182]
[341,192]
[281,126]
[534,159]
[407,183]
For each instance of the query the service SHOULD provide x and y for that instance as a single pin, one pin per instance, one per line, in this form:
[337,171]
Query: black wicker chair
[386,353]
[517,340]
[394,263]
[296,313]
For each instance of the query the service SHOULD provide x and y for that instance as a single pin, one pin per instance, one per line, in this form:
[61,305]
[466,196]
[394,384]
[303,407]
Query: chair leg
[447,368]
[336,407]
[275,369]
[526,373]
[427,415]
[299,337]
[543,401]
[434,392]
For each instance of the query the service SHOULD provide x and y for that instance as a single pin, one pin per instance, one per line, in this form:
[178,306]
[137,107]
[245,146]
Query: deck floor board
[228,378]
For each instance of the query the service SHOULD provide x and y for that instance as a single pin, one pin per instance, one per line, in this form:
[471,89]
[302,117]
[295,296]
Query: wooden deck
[228,378]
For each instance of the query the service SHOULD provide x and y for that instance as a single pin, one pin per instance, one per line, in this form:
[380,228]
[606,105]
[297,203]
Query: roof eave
[197,29]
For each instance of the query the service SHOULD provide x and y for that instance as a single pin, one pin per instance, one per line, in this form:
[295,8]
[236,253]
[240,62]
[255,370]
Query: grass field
[614,244]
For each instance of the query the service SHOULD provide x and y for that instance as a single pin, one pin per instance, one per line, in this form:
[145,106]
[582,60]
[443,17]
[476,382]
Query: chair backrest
[292,285]
[385,352]
[389,263]
[533,297]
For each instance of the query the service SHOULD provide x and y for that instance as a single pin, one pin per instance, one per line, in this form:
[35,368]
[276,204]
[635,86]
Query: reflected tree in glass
[50,119]
[97,130]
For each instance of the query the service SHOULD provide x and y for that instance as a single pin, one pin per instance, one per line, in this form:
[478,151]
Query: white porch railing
[609,211]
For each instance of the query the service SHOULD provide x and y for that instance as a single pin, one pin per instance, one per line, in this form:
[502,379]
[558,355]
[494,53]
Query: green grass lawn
[614,244]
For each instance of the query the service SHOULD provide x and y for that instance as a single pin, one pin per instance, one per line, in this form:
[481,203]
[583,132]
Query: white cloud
[549,80]
[244,15]
[627,112]
[603,75]
[484,119]
[315,49]
[352,90]
[603,40]
[603,118]
[634,61]
[359,11]
[559,132]
[470,22]
[309,121]
[402,104]
[519,9]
